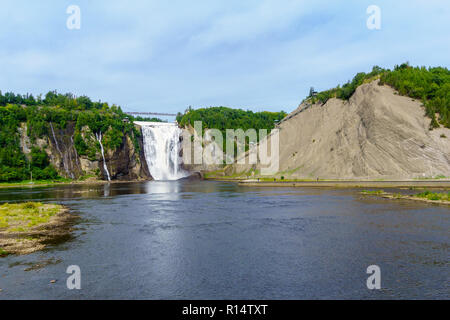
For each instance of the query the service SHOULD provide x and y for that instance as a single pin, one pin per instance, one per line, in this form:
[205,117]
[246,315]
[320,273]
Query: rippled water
[215,240]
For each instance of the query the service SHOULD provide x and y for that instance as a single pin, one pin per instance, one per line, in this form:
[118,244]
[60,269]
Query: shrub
[31,205]
[431,85]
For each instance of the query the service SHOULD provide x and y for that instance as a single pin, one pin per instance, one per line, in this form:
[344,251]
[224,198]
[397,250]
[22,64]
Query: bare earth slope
[377,134]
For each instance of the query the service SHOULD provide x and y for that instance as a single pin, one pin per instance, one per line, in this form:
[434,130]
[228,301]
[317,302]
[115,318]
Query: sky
[163,56]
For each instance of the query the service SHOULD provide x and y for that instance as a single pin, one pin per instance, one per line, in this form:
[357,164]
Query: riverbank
[146,227]
[427,196]
[349,184]
[35,184]
[28,227]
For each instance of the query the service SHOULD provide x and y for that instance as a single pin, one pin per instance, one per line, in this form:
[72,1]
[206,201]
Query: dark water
[214,240]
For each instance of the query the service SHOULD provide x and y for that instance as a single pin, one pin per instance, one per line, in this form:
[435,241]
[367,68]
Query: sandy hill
[377,134]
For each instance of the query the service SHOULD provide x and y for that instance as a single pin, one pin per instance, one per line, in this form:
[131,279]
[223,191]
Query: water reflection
[74,191]
[106,190]
[218,240]
[170,189]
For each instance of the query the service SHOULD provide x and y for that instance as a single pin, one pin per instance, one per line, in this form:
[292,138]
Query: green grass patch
[3,252]
[438,177]
[21,217]
[86,177]
[373,192]
[434,196]
[34,182]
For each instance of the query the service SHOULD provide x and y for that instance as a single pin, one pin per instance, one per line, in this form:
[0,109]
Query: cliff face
[210,152]
[126,163]
[377,134]
[123,163]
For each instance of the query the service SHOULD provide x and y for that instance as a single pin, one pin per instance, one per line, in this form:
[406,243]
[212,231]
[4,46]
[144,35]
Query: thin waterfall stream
[99,139]
[63,156]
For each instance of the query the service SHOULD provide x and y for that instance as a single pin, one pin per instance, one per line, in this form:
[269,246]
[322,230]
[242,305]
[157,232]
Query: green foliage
[48,173]
[347,90]
[39,158]
[431,85]
[435,196]
[148,119]
[3,252]
[223,118]
[110,122]
[80,144]
[13,164]
[113,139]
[21,217]
[373,192]
[58,110]
[40,165]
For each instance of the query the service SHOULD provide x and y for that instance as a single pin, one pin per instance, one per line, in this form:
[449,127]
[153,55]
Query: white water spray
[99,139]
[162,150]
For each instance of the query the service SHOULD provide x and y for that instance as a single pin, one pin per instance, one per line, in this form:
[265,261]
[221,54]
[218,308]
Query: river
[218,240]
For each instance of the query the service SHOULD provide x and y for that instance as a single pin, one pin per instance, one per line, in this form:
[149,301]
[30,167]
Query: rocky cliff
[209,153]
[124,163]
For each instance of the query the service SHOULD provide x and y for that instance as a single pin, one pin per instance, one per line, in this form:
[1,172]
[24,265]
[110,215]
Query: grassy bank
[24,216]
[434,196]
[426,196]
[46,183]
[33,183]
[24,226]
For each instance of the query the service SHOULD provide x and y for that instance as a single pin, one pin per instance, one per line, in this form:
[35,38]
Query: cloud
[251,21]
[157,55]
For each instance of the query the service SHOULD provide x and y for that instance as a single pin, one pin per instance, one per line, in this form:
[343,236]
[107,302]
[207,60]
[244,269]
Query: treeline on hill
[431,85]
[58,110]
[146,119]
[223,118]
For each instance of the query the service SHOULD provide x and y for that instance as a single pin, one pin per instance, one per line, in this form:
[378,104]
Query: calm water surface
[216,240]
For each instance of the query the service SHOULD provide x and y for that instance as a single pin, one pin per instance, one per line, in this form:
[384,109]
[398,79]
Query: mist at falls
[162,150]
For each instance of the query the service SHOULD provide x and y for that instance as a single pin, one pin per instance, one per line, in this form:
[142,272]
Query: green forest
[223,118]
[431,85]
[59,110]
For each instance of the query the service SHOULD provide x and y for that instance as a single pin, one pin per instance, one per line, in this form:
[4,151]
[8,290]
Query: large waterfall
[162,150]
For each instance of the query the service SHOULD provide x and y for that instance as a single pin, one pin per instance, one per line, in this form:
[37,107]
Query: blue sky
[167,55]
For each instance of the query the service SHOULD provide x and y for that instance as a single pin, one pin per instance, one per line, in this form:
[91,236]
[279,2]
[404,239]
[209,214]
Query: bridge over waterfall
[151,114]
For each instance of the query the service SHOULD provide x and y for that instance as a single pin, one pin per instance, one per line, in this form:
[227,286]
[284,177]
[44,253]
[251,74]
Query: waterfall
[162,150]
[63,157]
[76,152]
[99,139]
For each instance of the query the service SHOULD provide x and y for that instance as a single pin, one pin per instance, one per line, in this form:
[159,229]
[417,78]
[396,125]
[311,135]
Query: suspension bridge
[151,114]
